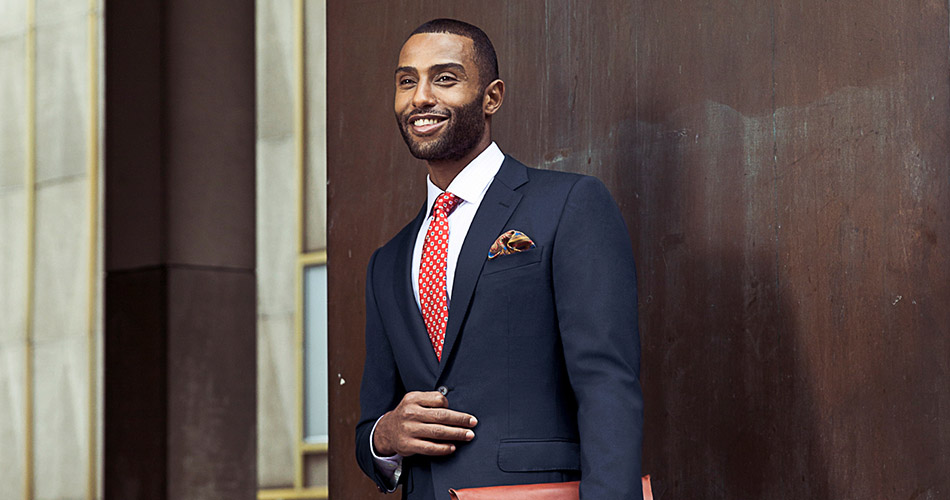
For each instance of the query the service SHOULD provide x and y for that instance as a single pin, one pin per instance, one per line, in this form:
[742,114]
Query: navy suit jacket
[541,346]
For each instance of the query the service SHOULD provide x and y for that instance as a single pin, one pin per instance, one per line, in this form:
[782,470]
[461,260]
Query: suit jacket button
[443,390]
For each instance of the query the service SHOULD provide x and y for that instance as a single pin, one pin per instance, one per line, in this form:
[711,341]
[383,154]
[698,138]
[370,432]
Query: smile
[427,124]
[424,121]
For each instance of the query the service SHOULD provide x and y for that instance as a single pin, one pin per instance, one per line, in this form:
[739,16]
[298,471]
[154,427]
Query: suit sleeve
[595,293]
[381,388]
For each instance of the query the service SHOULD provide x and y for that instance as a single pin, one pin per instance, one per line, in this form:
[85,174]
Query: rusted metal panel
[783,169]
[862,202]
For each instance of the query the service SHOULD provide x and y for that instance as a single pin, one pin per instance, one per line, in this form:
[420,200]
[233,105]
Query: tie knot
[446,203]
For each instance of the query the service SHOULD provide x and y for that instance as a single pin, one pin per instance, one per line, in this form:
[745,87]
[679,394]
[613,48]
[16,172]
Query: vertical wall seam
[545,94]
[590,88]
[164,222]
[299,156]
[299,118]
[636,81]
[93,244]
[775,177]
[30,192]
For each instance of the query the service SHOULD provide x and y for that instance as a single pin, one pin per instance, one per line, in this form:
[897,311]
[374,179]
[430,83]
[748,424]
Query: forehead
[427,49]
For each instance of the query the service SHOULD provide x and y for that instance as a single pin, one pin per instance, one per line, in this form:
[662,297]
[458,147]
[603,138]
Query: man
[501,326]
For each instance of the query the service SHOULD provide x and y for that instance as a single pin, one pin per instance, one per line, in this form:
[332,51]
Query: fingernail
[452,447]
[469,435]
[473,422]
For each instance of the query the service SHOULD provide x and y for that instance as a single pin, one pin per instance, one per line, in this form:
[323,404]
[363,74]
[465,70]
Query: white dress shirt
[470,185]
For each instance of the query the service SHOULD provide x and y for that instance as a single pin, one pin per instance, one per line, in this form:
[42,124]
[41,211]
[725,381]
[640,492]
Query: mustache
[427,111]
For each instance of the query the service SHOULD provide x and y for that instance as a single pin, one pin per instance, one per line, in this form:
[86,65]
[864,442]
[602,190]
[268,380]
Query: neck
[442,173]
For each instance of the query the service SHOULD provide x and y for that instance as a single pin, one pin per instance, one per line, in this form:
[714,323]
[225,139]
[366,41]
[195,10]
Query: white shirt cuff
[388,467]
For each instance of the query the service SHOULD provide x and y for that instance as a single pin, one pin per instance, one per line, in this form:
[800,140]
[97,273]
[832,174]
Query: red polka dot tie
[433,286]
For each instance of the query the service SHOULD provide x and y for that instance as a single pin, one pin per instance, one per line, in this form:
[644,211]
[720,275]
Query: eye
[405,81]
[445,79]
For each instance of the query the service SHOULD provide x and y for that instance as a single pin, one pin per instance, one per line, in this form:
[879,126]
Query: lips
[427,123]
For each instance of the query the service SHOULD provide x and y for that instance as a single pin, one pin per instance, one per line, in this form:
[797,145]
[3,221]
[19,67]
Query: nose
[423,96]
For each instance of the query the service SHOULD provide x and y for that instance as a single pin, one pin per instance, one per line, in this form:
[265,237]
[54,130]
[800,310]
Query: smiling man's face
[439,97]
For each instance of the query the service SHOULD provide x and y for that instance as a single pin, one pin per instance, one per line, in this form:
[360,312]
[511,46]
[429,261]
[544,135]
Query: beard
[464,129]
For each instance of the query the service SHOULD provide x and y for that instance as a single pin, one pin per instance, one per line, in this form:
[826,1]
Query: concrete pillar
[180,372]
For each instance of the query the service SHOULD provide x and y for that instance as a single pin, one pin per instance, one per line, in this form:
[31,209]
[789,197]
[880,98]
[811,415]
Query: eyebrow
[435,67]
[448,66]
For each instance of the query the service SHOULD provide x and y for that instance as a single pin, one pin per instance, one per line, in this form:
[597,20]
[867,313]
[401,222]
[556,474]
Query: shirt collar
[472,182]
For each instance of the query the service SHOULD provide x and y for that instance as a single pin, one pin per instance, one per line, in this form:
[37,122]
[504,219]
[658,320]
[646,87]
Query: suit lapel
[493,213]
[402,285]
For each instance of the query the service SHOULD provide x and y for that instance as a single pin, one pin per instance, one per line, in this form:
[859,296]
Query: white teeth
[425,121]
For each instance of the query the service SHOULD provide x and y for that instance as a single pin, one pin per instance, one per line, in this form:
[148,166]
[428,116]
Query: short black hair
[485,57]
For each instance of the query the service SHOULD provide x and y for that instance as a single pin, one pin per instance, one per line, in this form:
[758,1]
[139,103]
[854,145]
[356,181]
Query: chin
[430,150]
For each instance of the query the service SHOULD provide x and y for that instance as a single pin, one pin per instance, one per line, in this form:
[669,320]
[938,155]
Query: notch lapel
[402,285]
[493,213]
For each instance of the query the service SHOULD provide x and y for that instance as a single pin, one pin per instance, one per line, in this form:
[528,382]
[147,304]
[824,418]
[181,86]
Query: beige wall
[50,239]
[276,242]
[291,205]
[50,131]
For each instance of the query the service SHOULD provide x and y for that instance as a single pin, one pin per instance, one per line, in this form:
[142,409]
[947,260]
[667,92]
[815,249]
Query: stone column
[180,367]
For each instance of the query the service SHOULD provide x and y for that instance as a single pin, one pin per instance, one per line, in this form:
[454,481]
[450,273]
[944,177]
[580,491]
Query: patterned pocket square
[510,242]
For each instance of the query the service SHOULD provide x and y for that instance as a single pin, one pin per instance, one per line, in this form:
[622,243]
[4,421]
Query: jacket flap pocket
[534,455]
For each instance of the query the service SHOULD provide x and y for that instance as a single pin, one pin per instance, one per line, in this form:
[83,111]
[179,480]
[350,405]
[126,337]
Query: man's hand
[421,424]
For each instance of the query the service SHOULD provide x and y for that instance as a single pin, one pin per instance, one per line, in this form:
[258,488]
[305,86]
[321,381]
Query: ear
[494,96]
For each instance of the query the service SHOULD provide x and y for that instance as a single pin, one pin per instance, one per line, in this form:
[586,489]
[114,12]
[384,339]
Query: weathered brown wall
[180,349]
[783,168]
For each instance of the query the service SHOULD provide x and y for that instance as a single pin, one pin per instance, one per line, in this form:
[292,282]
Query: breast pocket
[513,261]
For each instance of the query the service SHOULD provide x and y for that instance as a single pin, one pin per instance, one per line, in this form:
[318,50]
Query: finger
[429,399]
[449,417]
[444,433]
[423,447]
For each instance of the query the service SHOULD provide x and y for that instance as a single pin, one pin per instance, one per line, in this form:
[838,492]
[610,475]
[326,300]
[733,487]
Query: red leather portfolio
[542,491]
